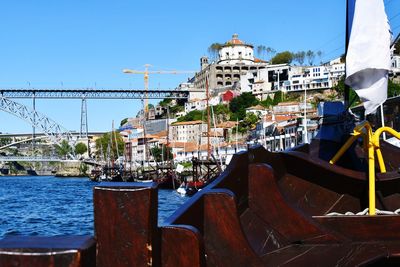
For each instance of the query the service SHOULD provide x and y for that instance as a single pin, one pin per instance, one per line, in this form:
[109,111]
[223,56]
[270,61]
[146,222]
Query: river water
[50,206]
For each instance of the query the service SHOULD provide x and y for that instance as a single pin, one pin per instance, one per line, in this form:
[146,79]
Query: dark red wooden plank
[224,240]
[126,225]
[364,228]
[267,201]
[181,246]
[68,251]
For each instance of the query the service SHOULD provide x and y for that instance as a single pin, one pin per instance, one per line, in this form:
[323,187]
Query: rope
[365,212]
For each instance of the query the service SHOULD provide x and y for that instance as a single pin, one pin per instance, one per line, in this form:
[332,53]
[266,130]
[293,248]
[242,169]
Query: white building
[262,82]
[283,77]
[336,71]
[195,104]
[396,65]
[188,131]
[201,104]
[235,58]
[287,107]
[315,77]
[257,110]
[236,52]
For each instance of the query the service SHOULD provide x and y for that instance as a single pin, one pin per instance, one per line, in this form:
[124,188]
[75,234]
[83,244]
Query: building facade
[188,131]
[235,58]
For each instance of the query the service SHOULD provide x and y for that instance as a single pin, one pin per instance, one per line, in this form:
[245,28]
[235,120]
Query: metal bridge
[88,161]
[54,131]
[31,159]
[50,128]
[93,94]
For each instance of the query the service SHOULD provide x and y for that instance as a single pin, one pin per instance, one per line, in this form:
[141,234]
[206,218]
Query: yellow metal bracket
[372,146]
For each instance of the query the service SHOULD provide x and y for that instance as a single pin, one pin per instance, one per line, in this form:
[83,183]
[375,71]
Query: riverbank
[59,169]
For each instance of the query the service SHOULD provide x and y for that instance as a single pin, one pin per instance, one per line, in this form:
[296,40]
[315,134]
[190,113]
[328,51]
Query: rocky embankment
[71,169]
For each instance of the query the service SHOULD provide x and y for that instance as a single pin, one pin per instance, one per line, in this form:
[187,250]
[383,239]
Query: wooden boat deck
[265,209]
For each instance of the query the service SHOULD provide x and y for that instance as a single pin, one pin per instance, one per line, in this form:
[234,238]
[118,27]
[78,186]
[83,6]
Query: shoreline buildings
[236,70]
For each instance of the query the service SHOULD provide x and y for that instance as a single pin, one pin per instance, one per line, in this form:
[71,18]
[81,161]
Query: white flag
[368,54]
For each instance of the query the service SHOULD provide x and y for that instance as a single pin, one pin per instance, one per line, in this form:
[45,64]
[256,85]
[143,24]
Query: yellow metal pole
[343,149]
[371,173]
[376,142]
[381,162]
[356,133]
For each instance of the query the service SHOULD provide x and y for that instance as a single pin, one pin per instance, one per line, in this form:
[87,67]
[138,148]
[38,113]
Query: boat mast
[208,121]
[237,129]
[346,87]
[115,138]
[144,132]
[167,146]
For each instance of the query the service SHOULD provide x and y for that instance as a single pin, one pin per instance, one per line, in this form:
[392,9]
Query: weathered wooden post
[126,229]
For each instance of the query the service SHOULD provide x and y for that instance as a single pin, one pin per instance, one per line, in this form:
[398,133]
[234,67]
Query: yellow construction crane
[146,73]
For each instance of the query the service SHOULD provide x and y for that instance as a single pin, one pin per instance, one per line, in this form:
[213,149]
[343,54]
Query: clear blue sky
[79,44]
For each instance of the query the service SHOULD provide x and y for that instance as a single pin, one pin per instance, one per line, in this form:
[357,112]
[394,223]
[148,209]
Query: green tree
[222,112]
[194,115]
[299,57]
[282,58]
[393,89]
[267,102]
[106,139]
[165,102]
[354,99]
[310,57]
[80,149]
[63,149]
[278,97]
[213,50]
[248,122]
[239,104]
[177,108]
[83,168]
[157,152]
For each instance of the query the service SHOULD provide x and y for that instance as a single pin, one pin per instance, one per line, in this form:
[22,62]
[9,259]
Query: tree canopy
[393,89]
[299,57]
[248,122]
[80,149]
[354,99]
[213,50]
[239,104]
[63,149]
[282,58]
[160,153]
[106,139]
[194,115]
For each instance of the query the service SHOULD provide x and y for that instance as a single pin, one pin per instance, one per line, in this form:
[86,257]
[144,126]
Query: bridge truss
[93,94]
[54,131]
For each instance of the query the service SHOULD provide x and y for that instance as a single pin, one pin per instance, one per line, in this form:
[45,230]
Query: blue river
[50,206]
